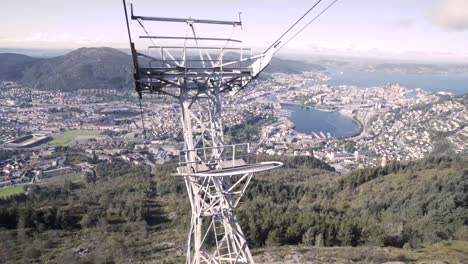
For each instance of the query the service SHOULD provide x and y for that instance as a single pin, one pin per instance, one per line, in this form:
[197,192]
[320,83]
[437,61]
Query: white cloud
[60,40]
[40,36]
[451,14]
[405,23]
[65,38]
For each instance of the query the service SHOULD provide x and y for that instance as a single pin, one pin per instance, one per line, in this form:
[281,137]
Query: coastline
[351,116]
[306,106]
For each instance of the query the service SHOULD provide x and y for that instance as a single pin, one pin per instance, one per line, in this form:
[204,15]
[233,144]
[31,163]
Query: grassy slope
[447,251]
[9,191]
[67,138]
[391,187]
[404,195]
[162,241]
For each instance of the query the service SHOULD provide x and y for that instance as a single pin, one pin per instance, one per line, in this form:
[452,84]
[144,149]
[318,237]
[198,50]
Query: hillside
[292,66]
[85,68]
[13,65]
[122,213]
[94,68]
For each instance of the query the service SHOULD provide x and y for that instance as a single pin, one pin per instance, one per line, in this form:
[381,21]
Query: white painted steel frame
[215,235]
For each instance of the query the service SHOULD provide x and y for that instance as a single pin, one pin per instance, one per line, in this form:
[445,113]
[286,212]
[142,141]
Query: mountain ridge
[122,209]
[84,68]
[94,68]
[12,65]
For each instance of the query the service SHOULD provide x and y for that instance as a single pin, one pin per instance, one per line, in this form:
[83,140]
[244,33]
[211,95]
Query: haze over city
[420,29]
[323,131]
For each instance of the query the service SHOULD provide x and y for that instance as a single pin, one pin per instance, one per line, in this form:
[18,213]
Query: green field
[9,191]
[61,179]
[67,138]
[453,251]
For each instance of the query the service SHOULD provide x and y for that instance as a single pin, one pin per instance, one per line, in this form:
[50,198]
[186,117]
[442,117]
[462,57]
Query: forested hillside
[95,68]
[398,205]
[124,213]
[84,68]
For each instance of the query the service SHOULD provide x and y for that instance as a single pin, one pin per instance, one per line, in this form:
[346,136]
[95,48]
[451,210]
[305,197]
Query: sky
[412,29]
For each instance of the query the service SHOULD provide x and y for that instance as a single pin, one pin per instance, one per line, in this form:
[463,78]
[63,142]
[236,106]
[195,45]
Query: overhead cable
[304,27]
[299,20]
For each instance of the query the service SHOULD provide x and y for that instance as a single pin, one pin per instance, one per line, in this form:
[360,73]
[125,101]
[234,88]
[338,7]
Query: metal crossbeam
[190,38]
[201,47]
[216,175]
[188,20]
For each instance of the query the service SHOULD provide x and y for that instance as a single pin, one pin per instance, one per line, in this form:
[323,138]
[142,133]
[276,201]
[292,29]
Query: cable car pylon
[216,174]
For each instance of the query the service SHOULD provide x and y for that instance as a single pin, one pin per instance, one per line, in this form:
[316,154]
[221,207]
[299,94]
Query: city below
[322,132]
[283,114]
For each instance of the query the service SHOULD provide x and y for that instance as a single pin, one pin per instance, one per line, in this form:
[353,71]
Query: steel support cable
[218,61]
[198,46]
[139,98]
[304,27]
[142,119]
[230,37]
[151,39]
[144,29]
[299,20]
[185,49]
[208,55]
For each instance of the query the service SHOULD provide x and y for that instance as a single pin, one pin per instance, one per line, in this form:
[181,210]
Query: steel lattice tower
[216,175]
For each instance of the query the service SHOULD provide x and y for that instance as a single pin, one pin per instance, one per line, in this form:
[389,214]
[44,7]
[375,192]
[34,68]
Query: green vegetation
[110,212]
[62,179]
[7,153]
[247,132]
[401,204]
[444,252]
[67,138]
[10,191]
[122,213]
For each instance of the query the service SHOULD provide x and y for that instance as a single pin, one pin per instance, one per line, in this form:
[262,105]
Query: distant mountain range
[94,68]
[13,65]
[85,68]
[292,66]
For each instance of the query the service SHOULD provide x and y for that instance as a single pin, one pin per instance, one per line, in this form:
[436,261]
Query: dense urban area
[396,124]
[86,174]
